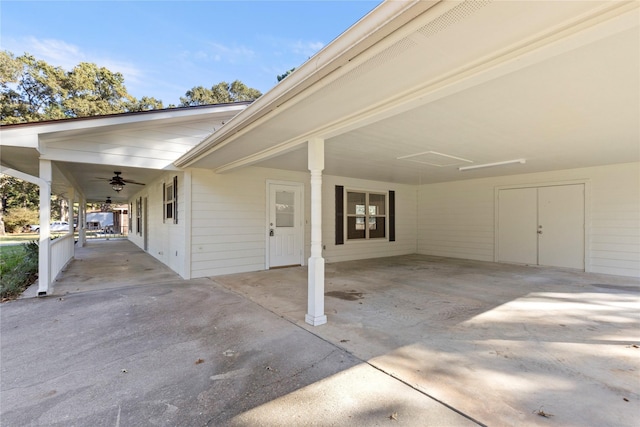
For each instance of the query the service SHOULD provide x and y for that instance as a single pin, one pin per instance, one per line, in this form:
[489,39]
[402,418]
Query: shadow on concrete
[108,349]
[497,342]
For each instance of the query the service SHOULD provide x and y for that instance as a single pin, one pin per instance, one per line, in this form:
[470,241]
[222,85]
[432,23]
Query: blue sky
[164,48]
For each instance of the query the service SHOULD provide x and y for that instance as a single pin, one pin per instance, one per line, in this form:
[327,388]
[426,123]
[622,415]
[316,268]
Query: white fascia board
[36,128]
[19,137]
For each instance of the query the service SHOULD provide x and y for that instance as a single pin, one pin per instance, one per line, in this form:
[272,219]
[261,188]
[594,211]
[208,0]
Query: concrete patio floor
[412,340]
[503,344]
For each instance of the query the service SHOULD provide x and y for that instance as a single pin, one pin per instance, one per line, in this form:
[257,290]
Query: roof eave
[373,27]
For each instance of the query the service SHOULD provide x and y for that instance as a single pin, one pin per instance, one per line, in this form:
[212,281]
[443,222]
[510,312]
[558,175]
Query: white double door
[285,232]
[542,226]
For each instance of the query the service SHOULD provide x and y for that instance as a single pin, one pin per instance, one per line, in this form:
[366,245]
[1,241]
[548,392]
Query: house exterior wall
[406,221]
[166,240]
[456,219]
[229,225]
[228,221]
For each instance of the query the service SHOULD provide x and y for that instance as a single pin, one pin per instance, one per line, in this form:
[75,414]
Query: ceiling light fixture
[117,183]
[490,165]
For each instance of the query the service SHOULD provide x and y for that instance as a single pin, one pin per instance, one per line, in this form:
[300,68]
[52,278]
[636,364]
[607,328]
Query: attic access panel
[434,158]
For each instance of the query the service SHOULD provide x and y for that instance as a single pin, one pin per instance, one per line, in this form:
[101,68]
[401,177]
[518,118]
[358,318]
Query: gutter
[373,27]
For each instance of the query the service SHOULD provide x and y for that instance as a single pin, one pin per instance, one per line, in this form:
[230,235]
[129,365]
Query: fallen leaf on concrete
[124,371]
[625,399]
[541,413]
[394,416]
[269,368]
[344,340]
[199,361]
[635,346]
[60,299]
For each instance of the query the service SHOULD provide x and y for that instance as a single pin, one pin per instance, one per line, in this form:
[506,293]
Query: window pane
[376,204]
[356,203]
[169,193]
[355,228]
[169,210]
[376,227]
[285,208]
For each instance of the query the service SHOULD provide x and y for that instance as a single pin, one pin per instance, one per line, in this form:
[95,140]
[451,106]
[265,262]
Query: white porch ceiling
[556,83]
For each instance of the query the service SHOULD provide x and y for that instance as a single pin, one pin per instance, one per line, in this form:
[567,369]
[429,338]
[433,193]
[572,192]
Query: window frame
[170,205]
[367,215]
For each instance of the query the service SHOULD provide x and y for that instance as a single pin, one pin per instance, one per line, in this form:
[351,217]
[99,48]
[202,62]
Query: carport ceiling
[575,110]
[558,85]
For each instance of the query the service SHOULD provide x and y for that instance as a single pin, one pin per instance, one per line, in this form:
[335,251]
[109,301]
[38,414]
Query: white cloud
[231,54]
[306,48]
[62,54]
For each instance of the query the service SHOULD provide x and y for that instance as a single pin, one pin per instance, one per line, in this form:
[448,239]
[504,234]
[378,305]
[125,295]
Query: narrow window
[170,200]
[139,215]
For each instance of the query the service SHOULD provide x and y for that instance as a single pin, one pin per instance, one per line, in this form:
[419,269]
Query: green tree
[222,93]
[283,76]
[16,194]
[32,90]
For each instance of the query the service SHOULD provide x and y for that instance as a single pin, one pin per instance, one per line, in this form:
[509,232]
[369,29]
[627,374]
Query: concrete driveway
[414,341]
[139,347]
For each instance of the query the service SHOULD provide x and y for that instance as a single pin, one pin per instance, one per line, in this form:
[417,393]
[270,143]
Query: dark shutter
[392,216]
[164,202]
[339,215]
[175,199]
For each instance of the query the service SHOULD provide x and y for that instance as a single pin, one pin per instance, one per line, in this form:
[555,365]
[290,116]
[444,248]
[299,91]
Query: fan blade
[128,181]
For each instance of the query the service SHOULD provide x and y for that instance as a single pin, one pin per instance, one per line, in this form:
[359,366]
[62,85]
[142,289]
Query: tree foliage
[16,193]
[281,77]
[222,93]
[33,90]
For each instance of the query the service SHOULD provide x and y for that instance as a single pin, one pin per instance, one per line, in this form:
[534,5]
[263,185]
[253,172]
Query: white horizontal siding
[457,218]
[229,220]
[228,233]
[166,240]
[406,221]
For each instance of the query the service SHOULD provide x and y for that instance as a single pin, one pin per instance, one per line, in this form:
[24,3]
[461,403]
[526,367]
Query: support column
[315,304]
[44,254]
[82,208]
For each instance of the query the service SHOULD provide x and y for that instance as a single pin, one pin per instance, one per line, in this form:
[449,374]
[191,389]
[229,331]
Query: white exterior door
[561,226]
[285,228]
[517,222]
[542,226]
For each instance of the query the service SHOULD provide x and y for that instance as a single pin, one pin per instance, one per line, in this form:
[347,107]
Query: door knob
[271,232]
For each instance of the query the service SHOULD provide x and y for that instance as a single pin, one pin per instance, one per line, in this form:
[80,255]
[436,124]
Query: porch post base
[315,303]
[315,320]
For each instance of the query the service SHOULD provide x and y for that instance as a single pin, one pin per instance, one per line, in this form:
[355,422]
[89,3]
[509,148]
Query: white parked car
[56,226]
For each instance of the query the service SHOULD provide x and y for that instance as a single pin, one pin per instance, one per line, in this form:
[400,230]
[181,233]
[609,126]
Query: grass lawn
[19,238]
[10,253]
[18,268]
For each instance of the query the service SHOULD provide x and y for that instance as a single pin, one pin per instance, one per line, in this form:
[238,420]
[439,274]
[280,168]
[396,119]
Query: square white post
[82,208]
[44,252]
[315,303]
